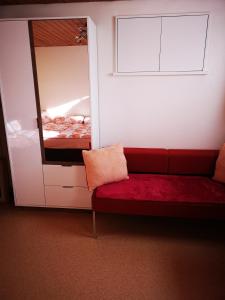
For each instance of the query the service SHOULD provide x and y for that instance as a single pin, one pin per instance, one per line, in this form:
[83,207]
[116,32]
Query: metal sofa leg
[94,224]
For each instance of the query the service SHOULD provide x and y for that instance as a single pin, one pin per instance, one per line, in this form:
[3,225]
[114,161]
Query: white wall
[63,79]
[144,111]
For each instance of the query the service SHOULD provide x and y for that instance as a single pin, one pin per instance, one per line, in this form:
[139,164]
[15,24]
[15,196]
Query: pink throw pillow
[220,166]
[105,165]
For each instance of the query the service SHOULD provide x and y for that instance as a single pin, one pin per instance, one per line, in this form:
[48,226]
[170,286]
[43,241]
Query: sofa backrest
[146,160]
[192,162]
[172,161]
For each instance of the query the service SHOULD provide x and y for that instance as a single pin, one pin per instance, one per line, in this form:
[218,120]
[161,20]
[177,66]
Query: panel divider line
[206,36]
[160,46]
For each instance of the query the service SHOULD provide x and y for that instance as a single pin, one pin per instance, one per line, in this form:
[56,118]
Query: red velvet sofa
[165,182]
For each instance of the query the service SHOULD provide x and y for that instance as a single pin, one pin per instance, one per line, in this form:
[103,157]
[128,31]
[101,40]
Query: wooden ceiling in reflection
[16,2]
[67,32]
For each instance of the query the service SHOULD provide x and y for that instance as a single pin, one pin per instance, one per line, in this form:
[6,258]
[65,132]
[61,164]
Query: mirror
[60,49]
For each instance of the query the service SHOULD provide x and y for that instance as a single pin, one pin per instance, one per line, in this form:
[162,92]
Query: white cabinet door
[183,43]
[93,78]
[20,113]
[138,44]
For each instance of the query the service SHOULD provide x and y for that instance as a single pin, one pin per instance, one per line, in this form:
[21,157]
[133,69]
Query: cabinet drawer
[64,175]
[73,197]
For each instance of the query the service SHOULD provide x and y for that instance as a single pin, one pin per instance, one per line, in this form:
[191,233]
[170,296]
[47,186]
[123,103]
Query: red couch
[165,183]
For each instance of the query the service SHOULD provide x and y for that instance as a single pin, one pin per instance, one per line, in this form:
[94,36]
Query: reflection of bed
[67,132]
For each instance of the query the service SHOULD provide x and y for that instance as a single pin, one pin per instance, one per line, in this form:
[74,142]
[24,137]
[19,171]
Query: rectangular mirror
[61,66]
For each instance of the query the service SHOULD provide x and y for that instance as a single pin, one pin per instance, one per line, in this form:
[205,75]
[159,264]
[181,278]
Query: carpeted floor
[50,254]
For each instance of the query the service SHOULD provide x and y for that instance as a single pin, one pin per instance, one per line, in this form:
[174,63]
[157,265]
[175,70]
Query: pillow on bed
[220,166]
[77,119]
[105,165]
[87,120]
[45,118]
[59,120]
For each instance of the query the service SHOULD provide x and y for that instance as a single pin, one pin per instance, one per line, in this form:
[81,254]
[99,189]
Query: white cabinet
[161,44]
[65,186]
[33,183]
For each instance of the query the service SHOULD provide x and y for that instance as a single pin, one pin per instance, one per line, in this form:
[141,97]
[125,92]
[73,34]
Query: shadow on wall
[80,106]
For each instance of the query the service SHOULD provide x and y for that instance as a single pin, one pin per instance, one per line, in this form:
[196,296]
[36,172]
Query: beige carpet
[50,254]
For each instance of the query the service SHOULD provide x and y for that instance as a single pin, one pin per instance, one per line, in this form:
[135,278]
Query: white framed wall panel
[138,44]
[183,43]
[168,44]
[20,113]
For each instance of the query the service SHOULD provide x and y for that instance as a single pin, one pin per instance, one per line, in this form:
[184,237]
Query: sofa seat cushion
[142,193]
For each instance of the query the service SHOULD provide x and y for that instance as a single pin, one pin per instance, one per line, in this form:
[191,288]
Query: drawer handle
[67,186]
[66,166]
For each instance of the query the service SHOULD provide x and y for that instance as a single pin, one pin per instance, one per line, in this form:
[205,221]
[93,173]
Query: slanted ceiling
[49,33]
[16,2]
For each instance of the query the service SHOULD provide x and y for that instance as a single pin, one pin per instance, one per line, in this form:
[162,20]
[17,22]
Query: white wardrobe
[35,184]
